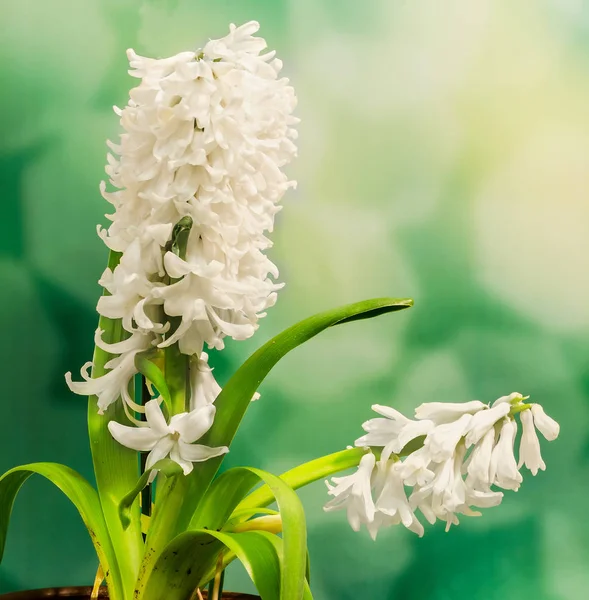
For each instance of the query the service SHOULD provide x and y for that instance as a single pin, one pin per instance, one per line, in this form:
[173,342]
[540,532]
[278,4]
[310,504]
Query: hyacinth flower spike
[465,459]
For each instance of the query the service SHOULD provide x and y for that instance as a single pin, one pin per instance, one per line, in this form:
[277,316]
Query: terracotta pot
[83,593]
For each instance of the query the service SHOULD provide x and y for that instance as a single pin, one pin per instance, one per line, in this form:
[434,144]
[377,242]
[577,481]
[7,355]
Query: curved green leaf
[167,467]
[235,397]
[85,499]
[278,544]
[223,496]
[116,468]
[241,515]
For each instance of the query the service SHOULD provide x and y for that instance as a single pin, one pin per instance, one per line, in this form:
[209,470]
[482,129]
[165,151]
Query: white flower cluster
[207,134]
[465,449]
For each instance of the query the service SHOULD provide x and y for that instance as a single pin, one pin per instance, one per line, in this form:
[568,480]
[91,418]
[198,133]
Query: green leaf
[223,496]
[189,555]
[85,499]
[116,467]
[242,515]
[235,397]
[167,467]
[278,544]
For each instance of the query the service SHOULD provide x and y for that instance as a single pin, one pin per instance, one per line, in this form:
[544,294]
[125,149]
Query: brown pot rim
[85,591]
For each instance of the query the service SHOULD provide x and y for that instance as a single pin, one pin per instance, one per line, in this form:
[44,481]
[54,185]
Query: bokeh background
[444,155]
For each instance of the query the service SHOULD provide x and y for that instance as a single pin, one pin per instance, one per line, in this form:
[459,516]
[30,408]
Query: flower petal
[160,450]
[200,453]
[155,418]
[193,425]
[136,438]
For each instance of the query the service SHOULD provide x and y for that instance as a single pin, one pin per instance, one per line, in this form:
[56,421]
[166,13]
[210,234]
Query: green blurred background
[444,155]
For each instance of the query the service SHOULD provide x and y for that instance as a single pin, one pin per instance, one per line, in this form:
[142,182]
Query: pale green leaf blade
[116,468]
[235,397]
[85,499]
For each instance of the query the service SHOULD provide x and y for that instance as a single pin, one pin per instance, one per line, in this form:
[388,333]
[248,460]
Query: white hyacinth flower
[415,468]
[354,494]
[503,469]
[393,432]
[529,448]
[445,495]
[441,442]
[176,439]
[207,135]
[115,382]
[447,412]
[204,388]
[482,499]
[468,450]
[379,432]
[483,421]
[546,425]
[392,500]
[479,463]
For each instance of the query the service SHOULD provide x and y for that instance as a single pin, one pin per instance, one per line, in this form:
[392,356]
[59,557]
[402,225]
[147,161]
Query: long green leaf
[184,494]
[85,499]
[278,544]
[235,397]
[116,468]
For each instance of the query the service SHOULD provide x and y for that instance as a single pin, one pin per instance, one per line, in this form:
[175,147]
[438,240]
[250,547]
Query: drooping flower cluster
[455,455]
[198,177]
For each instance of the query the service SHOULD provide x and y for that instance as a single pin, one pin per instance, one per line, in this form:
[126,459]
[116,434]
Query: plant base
[83,593]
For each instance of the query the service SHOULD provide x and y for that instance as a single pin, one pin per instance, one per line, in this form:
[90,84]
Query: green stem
[305,474]
[169,499]
[316,469]
[177,378]
[146,492]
